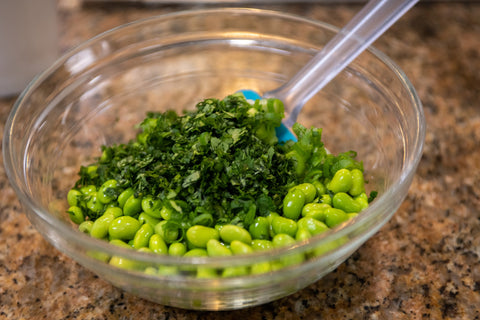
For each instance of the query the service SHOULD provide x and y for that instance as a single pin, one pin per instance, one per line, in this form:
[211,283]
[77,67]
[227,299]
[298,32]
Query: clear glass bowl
[96,93]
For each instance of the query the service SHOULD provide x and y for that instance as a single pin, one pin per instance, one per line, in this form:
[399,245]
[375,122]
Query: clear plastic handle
[372,21]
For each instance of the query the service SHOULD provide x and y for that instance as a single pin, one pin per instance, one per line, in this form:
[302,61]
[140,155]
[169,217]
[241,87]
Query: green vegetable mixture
[215,181]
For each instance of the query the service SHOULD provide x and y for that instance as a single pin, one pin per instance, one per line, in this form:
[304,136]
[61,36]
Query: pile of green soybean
[141,222]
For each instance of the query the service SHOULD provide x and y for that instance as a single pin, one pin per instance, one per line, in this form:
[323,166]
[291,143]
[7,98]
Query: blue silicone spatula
[367,25]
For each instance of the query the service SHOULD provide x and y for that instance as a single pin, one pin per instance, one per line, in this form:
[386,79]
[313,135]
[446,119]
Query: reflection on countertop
[423,264]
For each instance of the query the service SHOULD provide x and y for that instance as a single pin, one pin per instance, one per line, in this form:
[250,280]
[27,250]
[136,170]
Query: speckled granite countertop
[423,264]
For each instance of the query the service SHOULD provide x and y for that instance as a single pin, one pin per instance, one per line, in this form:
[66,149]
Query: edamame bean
[199,235]
[73,197]
[346,203]
[276,265]
[334,217]
[284,225]
[362,200]
[132,206]
[145,249]
[124,228]
[167,270]
[177,249]
[239,247]
[232,232]
[282,240]
[309,207]
[97,255]
[261,267]
[352,215]
[293,204]
[312,225]
[115,211]
[86,226]
[123,263]
[315,210]
[157,244]
[206,273]
[120,243]
[317,215]
[270,217]
[217,249]
[197,252]
[235,272]
[152,207]
[292,259]
[341,181]
[261,245]
[321,189]
[326,247]
[326,199]
[151,271]
[259,229]
[302,235]
[123,197]
[88,190]
[93,203]
[106,193]
[101,226]
[168,232]
[166,213]
[358,183]
[145,218]
[140,264]
[142,236]
[309,190]
[76,214]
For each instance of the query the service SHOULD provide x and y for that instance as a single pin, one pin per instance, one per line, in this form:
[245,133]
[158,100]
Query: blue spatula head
[282,132]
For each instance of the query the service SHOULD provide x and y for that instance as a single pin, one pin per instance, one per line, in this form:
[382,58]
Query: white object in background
[28,41]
